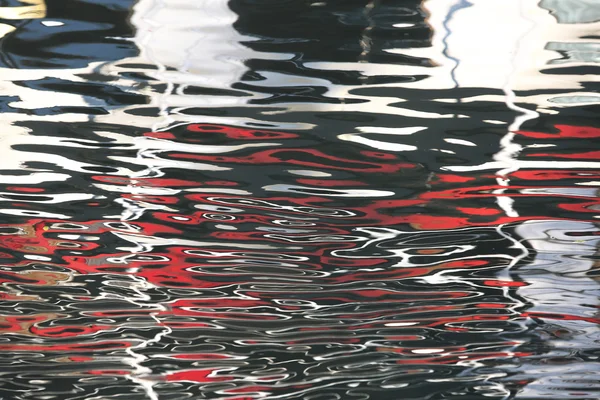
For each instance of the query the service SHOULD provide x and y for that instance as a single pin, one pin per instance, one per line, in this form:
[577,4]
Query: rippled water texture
[299,199]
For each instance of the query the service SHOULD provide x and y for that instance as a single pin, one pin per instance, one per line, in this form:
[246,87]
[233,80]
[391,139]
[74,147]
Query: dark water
[294,199]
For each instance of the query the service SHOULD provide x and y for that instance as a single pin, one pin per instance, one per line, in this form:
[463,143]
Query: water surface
[320,200]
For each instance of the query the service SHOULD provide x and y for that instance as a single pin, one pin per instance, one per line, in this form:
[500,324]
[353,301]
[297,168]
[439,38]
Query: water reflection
[259,199]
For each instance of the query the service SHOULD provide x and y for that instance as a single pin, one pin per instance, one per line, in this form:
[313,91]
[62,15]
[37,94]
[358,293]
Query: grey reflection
[575,52]
[573,11]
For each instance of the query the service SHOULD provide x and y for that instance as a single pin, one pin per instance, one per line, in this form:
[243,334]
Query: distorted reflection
[260,199]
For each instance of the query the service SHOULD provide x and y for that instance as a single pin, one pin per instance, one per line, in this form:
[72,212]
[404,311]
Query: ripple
[298,200]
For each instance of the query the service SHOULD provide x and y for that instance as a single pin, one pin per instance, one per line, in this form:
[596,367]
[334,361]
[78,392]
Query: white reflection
[485,43]
[376,144]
